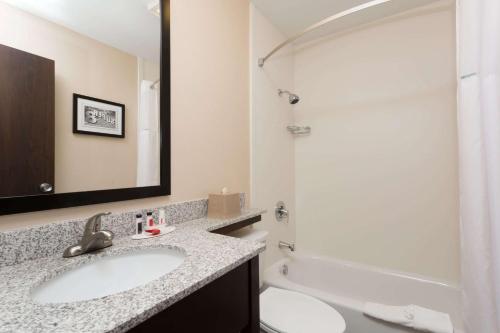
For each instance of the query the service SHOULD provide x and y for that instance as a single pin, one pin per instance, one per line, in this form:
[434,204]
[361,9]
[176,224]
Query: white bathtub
[346,286]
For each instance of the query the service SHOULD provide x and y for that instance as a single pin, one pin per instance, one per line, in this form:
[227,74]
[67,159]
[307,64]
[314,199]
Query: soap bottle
[150,222]
[161,218]
[139,224]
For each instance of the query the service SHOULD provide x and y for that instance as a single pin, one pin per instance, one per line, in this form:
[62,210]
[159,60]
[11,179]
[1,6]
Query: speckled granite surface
[209,256]
[42,241]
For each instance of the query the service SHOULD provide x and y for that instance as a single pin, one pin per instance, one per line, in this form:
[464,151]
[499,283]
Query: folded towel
[413,316]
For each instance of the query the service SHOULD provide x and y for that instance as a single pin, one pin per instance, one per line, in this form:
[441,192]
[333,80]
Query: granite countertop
[209,256]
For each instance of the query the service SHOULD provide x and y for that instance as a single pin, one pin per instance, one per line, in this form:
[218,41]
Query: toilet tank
[253,235]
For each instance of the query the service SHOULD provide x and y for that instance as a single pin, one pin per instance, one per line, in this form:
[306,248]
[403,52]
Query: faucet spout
[93,224]
[290,246]
[93,238]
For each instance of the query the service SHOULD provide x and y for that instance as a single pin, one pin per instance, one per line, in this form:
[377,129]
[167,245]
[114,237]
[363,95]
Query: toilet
[254,235]
[286,311]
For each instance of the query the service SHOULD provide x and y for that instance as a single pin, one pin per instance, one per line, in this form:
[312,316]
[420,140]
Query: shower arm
[154,84]
[320,24]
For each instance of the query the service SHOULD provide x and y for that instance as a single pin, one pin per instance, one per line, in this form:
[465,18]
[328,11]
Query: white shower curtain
[148,136]
[479,151]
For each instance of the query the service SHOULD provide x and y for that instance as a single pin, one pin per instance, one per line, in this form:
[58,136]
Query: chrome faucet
[290,246]
[93,238]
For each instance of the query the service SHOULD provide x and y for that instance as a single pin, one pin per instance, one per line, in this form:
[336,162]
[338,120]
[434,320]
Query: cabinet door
[230,304]
[26,122]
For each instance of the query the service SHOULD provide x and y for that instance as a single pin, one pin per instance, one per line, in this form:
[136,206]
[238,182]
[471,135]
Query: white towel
[413,316]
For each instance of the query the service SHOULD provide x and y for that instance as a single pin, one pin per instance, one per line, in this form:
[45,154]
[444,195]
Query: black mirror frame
[14,205]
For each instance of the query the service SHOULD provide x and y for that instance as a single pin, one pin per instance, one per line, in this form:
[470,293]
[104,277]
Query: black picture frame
[13,205]
[77,97]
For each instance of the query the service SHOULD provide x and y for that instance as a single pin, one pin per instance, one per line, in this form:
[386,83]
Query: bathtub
[346,286]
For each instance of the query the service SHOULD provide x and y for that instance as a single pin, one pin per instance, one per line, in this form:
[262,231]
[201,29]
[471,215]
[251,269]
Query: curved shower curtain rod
[322,23]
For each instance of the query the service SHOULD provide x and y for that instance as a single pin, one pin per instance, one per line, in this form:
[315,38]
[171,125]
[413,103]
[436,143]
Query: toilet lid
[288,311]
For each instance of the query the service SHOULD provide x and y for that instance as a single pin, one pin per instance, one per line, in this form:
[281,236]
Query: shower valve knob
[280,212]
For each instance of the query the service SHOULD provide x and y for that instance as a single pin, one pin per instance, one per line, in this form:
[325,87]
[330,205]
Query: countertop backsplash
[17,246]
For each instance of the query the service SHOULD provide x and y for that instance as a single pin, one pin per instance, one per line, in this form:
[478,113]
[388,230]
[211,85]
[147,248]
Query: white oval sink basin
[108,275]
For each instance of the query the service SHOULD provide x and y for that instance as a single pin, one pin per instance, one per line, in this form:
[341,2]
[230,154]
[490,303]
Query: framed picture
[98,117]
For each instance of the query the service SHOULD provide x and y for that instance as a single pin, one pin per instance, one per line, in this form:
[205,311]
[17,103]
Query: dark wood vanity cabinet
[230,304]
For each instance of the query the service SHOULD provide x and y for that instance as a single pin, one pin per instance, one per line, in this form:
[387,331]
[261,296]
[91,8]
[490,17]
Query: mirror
[82,106]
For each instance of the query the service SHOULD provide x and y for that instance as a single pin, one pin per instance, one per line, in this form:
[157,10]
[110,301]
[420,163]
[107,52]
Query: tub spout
[290,246]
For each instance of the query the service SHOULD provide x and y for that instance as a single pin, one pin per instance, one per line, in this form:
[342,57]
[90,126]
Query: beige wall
[376,182]
[210,108]
[87,67]
[272,146]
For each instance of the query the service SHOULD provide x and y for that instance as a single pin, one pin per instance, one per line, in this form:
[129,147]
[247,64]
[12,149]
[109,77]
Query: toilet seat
[267,329]
[285,311]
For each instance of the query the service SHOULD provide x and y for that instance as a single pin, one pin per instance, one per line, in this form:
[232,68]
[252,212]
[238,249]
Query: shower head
[292,98]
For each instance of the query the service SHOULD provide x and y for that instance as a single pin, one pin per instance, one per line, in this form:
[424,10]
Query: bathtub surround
[376,181]
[209,256]
[272,145]
[479,163]
[207,153]
[37,242]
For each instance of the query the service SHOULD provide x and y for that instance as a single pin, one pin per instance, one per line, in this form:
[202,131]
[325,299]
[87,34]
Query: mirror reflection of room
[81,89]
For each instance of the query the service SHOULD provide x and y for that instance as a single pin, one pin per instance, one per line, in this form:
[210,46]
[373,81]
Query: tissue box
[223,205]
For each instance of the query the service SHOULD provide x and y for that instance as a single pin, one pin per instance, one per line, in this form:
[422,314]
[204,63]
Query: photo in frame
[95,116]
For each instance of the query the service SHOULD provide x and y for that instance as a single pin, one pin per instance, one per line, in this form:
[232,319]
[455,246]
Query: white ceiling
[124,24]
[293,16]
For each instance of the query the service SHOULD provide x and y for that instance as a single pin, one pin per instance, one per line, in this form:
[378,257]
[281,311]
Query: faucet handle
[94,223]
[280,211]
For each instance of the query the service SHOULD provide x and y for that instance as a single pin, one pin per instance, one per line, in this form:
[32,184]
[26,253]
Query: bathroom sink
[108,276]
